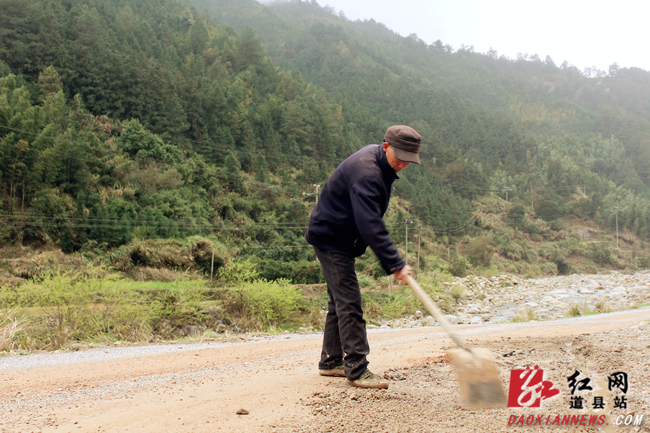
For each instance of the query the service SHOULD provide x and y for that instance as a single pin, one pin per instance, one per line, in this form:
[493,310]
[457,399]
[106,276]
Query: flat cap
[405,142]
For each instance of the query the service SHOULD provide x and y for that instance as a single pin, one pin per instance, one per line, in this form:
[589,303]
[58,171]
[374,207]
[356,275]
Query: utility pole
[212,266]
[419,247]
[317,187]
[532,172]
[617,209]
[506,189]
[406,237]
[312,193]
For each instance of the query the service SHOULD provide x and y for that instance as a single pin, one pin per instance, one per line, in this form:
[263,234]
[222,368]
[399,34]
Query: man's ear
[385,146]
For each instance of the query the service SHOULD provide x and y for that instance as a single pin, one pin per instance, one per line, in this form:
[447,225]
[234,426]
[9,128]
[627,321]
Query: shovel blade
[478,379]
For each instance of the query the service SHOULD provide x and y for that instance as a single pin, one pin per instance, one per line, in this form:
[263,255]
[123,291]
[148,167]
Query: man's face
[397,164]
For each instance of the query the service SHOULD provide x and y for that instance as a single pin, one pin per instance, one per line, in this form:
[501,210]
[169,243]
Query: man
[346,220]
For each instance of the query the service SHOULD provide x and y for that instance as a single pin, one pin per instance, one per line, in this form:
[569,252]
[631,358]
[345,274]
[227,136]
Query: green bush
[370,265]
[511,250]
[458,266]
[458,293]
[239,271]
[298,272]
[365,281]
[516,216]
[479,251]
[549,210]
[557,225]
[601,254]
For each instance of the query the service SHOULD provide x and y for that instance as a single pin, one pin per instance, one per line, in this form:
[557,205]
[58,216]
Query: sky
[585,33]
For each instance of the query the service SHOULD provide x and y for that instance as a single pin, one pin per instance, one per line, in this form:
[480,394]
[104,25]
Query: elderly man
[347,219]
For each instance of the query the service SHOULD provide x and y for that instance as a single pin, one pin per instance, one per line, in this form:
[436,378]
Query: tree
[248,51]
[232,172]
[49,82]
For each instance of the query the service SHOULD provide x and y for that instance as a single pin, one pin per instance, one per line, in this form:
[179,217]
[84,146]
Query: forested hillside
[125,121]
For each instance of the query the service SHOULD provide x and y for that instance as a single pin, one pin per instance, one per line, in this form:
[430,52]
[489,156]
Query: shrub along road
[202,387]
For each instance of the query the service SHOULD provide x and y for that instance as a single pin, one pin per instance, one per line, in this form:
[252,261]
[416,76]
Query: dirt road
[278,384]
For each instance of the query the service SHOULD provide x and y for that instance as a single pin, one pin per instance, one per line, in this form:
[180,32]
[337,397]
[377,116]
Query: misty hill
[363,62]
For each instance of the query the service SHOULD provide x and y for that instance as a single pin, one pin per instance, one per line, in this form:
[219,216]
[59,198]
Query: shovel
[478,378]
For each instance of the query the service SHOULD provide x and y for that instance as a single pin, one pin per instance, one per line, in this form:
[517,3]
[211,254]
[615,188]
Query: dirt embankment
[276,381]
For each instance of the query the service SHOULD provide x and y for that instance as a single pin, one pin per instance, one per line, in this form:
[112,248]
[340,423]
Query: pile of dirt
[424,397]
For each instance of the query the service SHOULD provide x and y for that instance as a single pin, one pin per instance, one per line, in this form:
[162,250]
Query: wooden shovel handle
[435,311]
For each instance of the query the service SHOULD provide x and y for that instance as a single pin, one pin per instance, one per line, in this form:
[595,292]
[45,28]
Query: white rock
[476,320]
[454,320]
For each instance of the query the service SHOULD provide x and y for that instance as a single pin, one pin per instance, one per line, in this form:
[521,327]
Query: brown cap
[405,141]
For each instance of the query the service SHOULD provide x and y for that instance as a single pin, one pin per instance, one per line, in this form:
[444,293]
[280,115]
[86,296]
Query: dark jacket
[348,216]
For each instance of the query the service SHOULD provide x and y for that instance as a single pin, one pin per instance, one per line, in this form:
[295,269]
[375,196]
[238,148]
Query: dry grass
[602,307]
[10,327]
[26,263]
[194,253]
[159,274]
[524,315]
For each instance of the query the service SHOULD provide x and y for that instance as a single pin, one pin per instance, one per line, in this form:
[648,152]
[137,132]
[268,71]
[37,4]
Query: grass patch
[261,304]
[524,315]
[581,310]
[575,311]
[62,308]
[402,301]
[59,309]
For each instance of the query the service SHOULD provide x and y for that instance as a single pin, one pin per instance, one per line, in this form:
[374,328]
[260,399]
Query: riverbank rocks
[498,299]
[553,297]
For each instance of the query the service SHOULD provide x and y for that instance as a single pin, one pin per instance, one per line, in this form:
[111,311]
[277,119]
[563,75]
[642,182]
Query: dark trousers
[345,336]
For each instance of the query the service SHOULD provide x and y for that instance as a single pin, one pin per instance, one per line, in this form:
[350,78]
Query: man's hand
[401,274]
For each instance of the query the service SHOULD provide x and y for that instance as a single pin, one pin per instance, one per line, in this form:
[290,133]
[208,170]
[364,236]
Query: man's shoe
[369,380]
[337,371]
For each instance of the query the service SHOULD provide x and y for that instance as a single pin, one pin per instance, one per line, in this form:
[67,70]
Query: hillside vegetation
[175,140]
